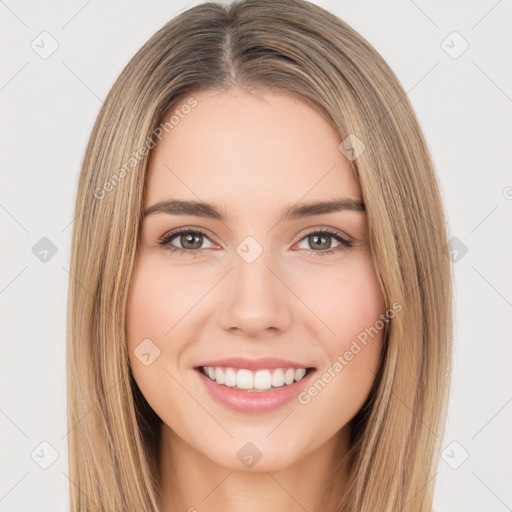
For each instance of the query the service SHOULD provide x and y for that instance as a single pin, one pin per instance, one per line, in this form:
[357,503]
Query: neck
[194,483]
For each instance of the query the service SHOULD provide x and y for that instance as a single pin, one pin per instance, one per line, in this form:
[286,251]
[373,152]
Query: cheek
[152,310]
[144,308]
[351,305]
[347,300]
[158,298]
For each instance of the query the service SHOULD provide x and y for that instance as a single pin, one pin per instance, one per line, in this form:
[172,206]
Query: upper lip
[254,364]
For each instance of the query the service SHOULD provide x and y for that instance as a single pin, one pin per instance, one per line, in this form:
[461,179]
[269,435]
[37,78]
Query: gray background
[464,103]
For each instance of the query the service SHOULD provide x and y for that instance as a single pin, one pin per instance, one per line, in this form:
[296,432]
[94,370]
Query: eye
[190,241]
[321,244]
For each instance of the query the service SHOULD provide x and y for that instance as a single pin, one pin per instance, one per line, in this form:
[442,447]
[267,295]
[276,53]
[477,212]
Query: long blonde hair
[302,49]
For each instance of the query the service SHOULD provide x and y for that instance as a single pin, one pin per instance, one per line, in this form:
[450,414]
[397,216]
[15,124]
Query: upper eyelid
[328,229]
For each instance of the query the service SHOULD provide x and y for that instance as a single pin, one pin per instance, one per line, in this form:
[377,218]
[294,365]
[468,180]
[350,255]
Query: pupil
[189,239]
[316,237]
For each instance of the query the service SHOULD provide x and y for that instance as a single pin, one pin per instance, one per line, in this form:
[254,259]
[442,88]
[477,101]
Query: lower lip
[255,401]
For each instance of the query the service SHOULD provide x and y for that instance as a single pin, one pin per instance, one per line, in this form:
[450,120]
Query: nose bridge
[251,276]
[256,298]
[251,265]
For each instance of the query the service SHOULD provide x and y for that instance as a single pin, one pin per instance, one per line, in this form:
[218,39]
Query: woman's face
[254,284]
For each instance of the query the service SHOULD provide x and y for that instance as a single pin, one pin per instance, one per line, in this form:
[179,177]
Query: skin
[254,155]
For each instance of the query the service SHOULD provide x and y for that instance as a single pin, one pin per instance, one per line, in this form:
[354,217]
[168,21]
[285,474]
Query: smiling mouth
[243,379]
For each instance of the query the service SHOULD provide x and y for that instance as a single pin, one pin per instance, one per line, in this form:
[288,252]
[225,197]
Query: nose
[255,299]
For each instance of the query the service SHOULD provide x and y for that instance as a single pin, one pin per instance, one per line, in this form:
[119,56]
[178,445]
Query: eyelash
[165,241]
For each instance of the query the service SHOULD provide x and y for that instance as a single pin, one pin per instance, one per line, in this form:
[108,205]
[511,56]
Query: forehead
[237,148]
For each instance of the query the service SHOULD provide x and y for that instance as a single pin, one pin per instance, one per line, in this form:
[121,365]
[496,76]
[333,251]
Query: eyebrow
[213,211]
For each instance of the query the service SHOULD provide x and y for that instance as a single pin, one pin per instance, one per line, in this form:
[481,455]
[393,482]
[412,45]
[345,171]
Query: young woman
[260,302]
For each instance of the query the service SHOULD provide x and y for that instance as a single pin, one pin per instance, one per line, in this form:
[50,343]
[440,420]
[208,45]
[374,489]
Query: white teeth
[277,378]
[219,376]
[300,373]
[230,377]
[289,376]
[244,379]
[260,380]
